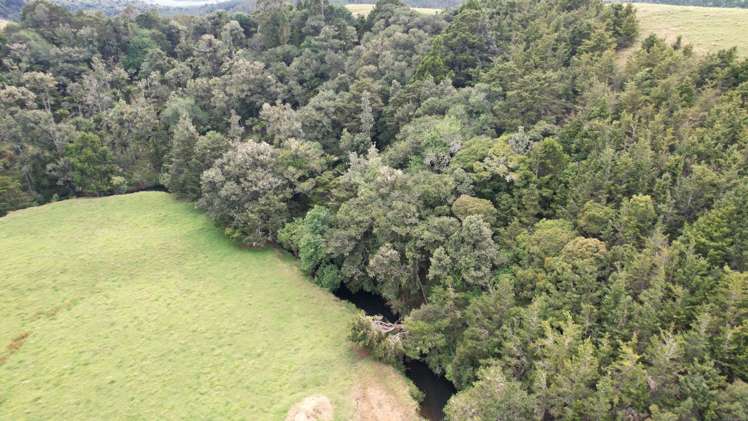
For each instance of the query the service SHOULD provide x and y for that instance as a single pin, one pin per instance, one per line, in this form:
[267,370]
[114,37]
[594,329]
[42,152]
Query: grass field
[137,307]
[364,9]
[705,28]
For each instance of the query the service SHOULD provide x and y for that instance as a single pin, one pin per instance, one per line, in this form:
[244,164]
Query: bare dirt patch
[312,408]
[13,346]
[374,401]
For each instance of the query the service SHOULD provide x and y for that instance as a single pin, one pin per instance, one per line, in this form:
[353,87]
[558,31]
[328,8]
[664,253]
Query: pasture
[138,307]
[705,28]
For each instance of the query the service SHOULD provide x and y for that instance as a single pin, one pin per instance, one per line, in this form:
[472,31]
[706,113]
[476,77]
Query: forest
[563,236]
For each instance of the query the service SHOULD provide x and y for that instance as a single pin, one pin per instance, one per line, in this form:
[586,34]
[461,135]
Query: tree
[43,85]
[273,22]
[462,50]
[244,191]
[721,235]
[382,339]
[244,87]
[492,397]
[733,401]
[209,148]
[184,170]
[637,219]
[621,21]
[138,144]
[307,238]
[361,141]
[629,378]
[428,142]
[12,196]
[482,340]
[466,205]
[139,46]
[469,257]
[281,123]
[731,311]
[434,329]
[596,219]
[565,379]
[90,163]
[574,277]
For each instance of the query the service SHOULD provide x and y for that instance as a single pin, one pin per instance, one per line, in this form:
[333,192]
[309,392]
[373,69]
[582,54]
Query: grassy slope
[364,9]
[705,28]
[136,306]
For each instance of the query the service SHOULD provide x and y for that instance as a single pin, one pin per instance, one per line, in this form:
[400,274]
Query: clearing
[137,306]
[707,29]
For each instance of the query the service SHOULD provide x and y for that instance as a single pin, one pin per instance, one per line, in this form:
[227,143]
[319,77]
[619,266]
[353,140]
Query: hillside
[540,232]
[363,9]
[705,28]
[136,306]
[11,8]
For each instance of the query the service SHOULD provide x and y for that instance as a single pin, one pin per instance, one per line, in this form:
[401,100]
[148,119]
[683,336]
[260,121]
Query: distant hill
[248,6]
[363,9]
[108,7]
[11,9]
[245,6]
[430,4]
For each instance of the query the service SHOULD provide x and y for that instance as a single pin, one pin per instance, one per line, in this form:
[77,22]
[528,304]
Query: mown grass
[136,306]
[707,29]
[364,9]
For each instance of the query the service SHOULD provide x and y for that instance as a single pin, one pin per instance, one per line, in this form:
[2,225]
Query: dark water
[371,304]
[436,389]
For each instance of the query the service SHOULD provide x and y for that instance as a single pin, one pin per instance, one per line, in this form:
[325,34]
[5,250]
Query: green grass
[364,9]
[707,29]
[136,306]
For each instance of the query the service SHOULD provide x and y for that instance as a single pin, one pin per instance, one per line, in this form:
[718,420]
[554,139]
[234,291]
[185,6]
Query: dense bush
[565,236]
[384,340]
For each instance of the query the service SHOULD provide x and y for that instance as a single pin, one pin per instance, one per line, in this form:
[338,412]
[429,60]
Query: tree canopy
[564,236]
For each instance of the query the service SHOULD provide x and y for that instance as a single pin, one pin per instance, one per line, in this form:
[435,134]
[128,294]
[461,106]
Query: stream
[435,388]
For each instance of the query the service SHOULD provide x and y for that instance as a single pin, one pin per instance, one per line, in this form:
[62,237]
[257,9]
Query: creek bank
[436,389]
